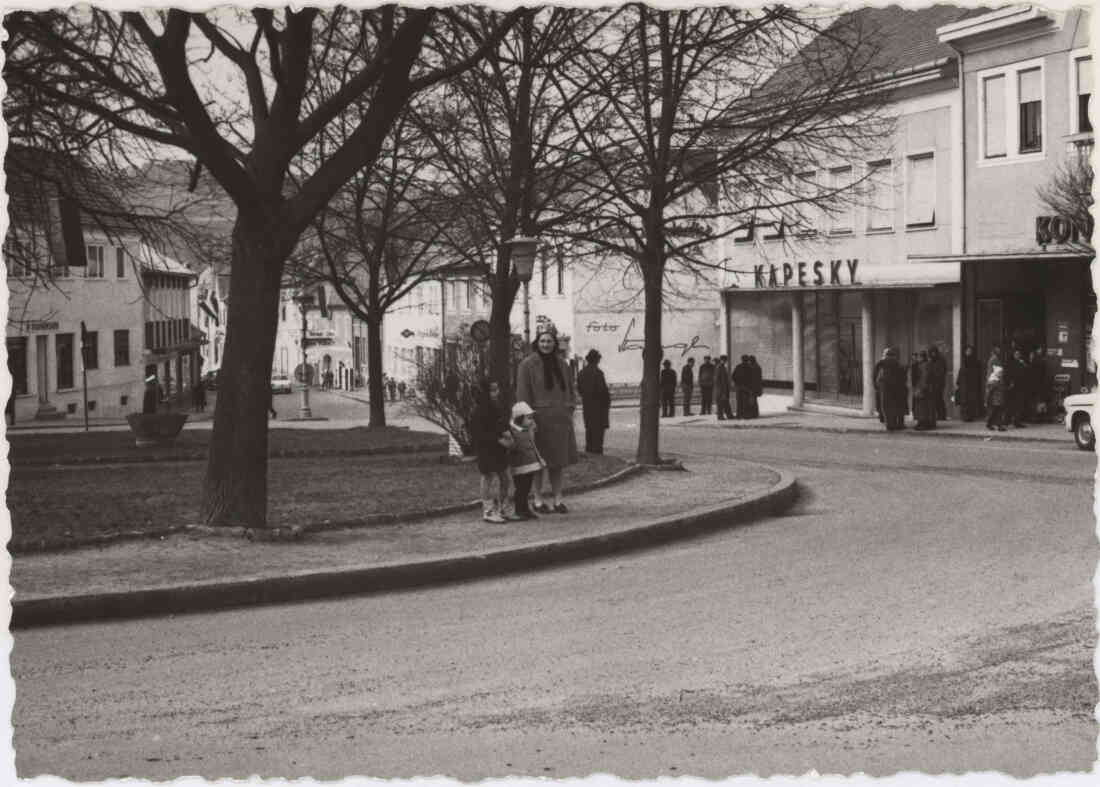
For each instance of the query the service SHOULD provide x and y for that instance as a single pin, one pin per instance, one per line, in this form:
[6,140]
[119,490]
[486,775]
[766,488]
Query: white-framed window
[120,262]
[920,190]
[18,266]
[94,254]
[1012,121]
[1080,75]
[561,276]
[843,217]
[880,195]
[771,219]
[807,186]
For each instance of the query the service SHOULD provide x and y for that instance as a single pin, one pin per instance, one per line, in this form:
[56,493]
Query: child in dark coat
[524,458]
[492,441]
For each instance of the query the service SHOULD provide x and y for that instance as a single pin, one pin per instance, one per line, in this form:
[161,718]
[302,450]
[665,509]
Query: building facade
[1027,77]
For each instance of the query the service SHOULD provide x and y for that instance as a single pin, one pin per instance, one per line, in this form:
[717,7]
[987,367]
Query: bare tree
[510,154]
[695,121]
[244,94]
[1068,194]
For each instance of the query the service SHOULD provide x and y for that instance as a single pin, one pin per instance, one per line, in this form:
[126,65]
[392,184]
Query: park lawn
[54,507]
[63,448]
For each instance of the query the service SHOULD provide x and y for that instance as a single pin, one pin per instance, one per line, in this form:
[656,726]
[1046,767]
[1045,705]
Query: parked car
[280,384]
[1079,419]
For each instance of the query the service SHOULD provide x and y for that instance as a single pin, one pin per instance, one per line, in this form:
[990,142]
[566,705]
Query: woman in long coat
[544,382]
[968,385]
[595,402]
[892,390]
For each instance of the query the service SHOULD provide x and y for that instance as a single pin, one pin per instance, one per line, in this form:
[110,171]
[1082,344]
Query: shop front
[818,327]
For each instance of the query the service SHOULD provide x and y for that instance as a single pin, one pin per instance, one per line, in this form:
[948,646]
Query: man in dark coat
[668,390]
[152,395]
[878,390]
[924,407]
[595,402]
[687,383]
[756,387]
[722,389]
[742,385]
[968,384]
[938,381]
[1017,386]
[891,390]
[706,385]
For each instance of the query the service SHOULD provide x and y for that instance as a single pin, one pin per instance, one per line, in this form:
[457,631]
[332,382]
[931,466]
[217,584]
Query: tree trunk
[500,329]
[650,415]
[376,391]
[235,488]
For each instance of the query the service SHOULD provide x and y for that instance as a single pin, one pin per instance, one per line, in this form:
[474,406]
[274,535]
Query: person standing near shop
[742,381]
[756,387]
[968,385]
[687,383]
[891,390]
[668,390]
[938,381]
[1017,378]
[595,402]
[706,385]
[924,405]
[995,391]
[544,382]
[722,389]
[878,390]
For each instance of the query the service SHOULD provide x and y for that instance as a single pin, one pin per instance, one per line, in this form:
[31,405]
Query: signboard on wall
[619,338]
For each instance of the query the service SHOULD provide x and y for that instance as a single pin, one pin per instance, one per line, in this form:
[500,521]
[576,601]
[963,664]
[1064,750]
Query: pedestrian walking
[968,385]
[706,385]
[924,405]
[595,402]
[914,373]
[526,463]
[878,390]
[891,390]
[151,397]
[271,401]
[722,389]
[401,389]
[543,382]
[995,391]
[742,384]
[687,383]
[668,390]
[938,381]
[756,387]
[492,439]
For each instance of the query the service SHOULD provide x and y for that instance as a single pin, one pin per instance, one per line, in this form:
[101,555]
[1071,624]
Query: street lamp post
[304,301]
[523,264]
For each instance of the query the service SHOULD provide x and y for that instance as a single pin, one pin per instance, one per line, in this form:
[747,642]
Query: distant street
[927,605]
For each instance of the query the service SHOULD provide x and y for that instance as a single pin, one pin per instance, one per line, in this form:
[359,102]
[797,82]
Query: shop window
[94,256]
[920,191]
[1082,79]
[17,364]
[122,347]
[90,349]
[880,195]
[63,346]
[840,188]
[1031,110]
[993,124]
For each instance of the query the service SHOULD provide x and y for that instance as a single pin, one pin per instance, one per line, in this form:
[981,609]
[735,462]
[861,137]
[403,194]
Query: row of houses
[949,244]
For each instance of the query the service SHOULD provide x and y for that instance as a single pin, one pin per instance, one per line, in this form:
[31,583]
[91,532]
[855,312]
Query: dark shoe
[527,516]
[561,509]
[1020,426]
[990,427]
[542,508]
[1001,429]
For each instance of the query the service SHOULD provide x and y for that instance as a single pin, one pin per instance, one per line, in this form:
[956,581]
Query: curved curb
[305,586]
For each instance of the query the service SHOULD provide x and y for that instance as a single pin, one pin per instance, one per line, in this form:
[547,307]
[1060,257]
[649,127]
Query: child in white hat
[524,456]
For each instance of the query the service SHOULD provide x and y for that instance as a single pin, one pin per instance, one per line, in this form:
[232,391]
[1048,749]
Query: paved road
[927,605]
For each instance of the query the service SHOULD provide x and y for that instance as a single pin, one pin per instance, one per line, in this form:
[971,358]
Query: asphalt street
[927,605]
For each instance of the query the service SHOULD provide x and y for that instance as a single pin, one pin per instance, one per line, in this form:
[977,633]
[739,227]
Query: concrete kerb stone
[908,432]
[312,585]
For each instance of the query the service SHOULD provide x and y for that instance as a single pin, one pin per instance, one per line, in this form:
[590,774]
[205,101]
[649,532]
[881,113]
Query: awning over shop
[1064,255]
[844,274]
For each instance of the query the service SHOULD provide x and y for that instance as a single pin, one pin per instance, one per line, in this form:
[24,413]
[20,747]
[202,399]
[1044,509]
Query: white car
[280,384]
[1079,419]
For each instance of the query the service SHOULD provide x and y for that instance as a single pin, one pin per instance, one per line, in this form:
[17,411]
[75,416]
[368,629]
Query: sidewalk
[191,572]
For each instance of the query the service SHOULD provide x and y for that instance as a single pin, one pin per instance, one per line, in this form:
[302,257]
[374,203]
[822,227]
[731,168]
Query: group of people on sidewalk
[715,385]
[1014,390]
[525,448]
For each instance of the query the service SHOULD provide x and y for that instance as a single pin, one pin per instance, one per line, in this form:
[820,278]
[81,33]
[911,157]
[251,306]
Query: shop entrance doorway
[832,337]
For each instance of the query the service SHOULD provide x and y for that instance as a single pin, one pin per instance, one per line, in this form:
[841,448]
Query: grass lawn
[76,447]
[53,506]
